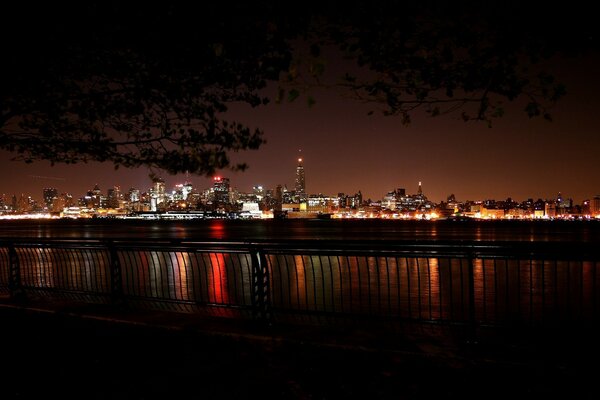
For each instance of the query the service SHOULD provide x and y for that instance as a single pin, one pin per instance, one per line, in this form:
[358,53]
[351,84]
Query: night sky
[346,150]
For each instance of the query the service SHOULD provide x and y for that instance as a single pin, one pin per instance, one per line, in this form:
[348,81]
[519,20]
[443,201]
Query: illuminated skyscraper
[300,183]
[158,198]
[114,197]
[595,206]
[50,196]
[221,190]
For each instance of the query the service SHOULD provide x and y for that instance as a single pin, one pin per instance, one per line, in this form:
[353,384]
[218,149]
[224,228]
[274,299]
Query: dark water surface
[234,230]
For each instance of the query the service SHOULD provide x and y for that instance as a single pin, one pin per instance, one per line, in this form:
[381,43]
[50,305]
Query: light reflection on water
[580,231]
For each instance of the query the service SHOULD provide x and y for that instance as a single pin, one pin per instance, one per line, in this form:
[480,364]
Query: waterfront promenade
[66,350]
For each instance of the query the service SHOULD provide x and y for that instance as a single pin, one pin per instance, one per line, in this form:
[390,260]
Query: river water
[236,230]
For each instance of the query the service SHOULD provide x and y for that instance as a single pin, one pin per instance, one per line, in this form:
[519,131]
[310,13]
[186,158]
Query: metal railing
[470,283]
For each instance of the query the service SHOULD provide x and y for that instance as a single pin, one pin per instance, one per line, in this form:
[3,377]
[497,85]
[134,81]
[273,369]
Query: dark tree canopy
[149,85]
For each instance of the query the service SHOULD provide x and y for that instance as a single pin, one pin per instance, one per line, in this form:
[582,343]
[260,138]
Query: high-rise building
[595,206]
[300,182]
[278,198]
[158,190]
[96,196]
[187,190]
[133,195]
[113,196]
[50,196]
[221,190]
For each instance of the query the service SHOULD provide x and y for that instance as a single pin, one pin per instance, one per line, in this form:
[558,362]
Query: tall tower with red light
[300,182]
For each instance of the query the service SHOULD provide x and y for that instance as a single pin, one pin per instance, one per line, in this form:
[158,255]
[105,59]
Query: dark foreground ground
[58,351]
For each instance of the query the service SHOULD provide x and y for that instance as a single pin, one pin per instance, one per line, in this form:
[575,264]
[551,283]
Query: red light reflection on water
[217,229]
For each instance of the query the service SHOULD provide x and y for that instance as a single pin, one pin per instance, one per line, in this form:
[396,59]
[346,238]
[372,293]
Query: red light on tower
[217,179]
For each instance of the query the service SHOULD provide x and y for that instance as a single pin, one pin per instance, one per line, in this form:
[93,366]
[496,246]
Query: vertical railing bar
[173,257]
[378,280]
[35,267]
[595,296]
[286,257]
[440,289]
[543,311]
[116,274]
[160,268]
[71,268]
[350,282]
[471,288]
[247,289]
[15,285]
[581,290]
[519,305]
[190,274]
[408,288]
[463,303]
[206,273]
[496,294]
[314,278]
[219,281]
[429,297]
[245,263]
[484,290]
[81,278]
[207,265]
[76,269]
[304,274]
[341,277]
[149,272]
[531,290]
[135,261]
[399,285]
[261,285]
[99,268]
[211,283]
[332,285]
[285,275]
[569,306]
[556,288]
[273,272]
[368,288]
[179,262]
[86,282]
[165,267]
[418,267]
[389,287]
[233,277]
[506,290]
[47,262]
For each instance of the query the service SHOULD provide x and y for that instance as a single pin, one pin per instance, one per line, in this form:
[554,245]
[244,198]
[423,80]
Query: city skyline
[297,188]
[347,150]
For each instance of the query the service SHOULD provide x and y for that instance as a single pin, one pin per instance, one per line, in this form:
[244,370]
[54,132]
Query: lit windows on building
[221,189]
[300,182]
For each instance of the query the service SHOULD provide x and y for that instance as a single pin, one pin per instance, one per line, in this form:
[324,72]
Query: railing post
[15,286]
[261,302]
[116,277]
